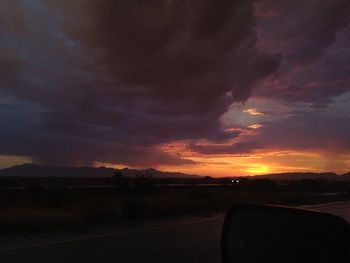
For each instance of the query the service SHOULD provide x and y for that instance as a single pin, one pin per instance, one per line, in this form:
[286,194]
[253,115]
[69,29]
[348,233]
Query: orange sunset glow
[220,89]
[149,130]
[262,162]
[258,163]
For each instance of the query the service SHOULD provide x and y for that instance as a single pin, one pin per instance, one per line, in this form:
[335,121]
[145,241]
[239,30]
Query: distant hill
[32,170]
[299,176]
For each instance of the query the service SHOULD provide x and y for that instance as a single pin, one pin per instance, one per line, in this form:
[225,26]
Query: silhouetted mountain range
[32,170]
[299,176]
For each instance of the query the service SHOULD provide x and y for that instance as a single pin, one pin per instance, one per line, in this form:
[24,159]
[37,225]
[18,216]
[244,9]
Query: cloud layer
[116,78]
[110,81]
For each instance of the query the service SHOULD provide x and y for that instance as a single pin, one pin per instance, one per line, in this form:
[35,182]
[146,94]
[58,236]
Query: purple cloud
[313,38]
[235,148]
[110,81]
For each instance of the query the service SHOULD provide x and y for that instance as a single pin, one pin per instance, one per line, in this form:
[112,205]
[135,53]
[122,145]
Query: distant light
[237,181]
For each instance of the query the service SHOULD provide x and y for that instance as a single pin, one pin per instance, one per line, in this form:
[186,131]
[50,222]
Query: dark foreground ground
[139,222]
[37,209]
[185,239]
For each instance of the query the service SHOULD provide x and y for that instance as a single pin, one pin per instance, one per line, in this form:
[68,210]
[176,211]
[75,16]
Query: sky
[220,88]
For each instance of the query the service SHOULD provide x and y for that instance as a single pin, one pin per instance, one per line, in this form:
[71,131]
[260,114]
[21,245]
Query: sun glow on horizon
[257,169]
[256,163]
[264,161]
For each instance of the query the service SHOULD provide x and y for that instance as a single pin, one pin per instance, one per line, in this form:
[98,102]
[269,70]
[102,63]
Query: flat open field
[74,209]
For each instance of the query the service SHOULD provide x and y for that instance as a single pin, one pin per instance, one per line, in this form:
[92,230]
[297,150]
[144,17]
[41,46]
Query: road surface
[190,239]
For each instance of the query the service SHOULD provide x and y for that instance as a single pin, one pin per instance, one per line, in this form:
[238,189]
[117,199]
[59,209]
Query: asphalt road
[191,239]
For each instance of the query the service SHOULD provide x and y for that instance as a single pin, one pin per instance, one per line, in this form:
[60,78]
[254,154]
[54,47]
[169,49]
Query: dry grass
[28,213]
[30,219]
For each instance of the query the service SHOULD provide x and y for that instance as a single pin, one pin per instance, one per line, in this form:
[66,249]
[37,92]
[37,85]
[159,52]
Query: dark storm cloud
[75,150]
[314,39]
[309,132]
[114,79]
[8,67]
[305,29]
[111,80]
[175,50]
[236,148]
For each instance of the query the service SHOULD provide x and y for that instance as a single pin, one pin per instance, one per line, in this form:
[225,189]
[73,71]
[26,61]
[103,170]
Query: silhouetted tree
[143,183]
[33,186]
[121,182]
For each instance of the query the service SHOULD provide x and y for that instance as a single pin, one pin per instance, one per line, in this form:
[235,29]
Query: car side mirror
[262,233]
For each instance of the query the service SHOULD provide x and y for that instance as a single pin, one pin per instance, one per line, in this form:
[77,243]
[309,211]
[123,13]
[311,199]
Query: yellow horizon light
[257,169]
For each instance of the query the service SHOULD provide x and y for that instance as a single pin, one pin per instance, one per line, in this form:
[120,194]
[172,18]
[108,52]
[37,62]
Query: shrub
[57,198]
[143,184]
[9,182]
[199,193]
[21,220]
[95,212]
[33,186]
[134,208]
[122,183]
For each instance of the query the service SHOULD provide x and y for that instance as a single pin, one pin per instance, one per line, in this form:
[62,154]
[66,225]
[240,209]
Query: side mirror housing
[262,233]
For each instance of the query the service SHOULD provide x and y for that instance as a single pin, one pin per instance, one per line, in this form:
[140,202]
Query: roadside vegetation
[34,205]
